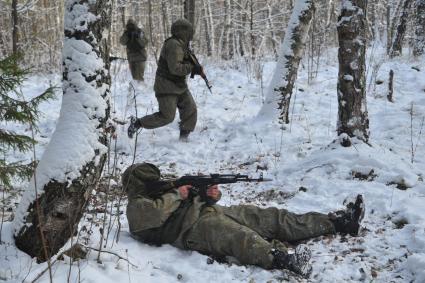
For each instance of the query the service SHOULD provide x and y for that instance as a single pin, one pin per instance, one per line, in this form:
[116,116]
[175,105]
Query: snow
[79,16]
[304,154]
[348,78]
[76,137]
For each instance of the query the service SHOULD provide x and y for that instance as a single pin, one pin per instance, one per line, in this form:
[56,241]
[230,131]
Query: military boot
[297,261]
[134,125]
[348,221]
[184,135]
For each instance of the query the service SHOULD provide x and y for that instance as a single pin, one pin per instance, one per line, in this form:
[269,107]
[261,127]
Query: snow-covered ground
[310,172]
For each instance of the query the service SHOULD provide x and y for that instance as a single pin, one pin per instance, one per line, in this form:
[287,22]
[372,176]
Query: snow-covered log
[279,92]
[352,109]
[419,46]
[71,165]
[400,29]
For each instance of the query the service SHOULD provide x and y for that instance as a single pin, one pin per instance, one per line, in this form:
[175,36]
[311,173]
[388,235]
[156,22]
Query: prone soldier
[252,235]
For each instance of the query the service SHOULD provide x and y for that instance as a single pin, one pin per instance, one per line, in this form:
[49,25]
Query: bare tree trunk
[154,48]
[211,25]
[227,48]
[15,25]
[397,40]
[419,47]
[70,168]
[389,29]
[165,17]
[243,48]
[189,11]
[208,39]
[280,90]
[123,16]
[352,111]
[251,28]
[391,87]
[270,27]
[373,22]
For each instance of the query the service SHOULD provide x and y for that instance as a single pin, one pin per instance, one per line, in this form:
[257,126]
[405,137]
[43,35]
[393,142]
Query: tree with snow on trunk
[71,165]
[278,96]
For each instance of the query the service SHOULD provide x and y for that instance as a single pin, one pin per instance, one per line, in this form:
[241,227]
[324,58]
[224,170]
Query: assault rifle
[195,61]
[200,184]
[114,58]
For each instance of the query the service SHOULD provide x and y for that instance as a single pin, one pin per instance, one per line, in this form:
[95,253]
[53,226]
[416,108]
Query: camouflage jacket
[164,220]
[135,41]
[173,68]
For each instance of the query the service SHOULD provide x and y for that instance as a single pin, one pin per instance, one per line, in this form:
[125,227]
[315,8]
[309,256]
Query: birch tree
[352,111]
[71,165]
[280,90]
[419,46]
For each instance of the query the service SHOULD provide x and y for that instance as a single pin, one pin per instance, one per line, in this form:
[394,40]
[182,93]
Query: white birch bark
[279,92]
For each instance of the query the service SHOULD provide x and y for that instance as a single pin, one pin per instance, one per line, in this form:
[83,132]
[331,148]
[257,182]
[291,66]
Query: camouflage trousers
[137,69]
[249,233]
[168,104]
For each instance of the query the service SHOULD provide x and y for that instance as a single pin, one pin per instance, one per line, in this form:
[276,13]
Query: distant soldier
[251,234]
[135,40]
[170,87]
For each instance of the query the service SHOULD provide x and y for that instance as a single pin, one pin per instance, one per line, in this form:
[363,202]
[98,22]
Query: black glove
[197,70]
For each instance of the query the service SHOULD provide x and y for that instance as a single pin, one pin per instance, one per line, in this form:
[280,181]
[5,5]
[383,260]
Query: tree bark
[165,17]
[15,23]
[71,165]
[151,34]
[270,28]
[389,28]
[352,111]
[227,43]
[419,46]
[251,28]
[400,31]
[189,11]
[280,90]
[391,87]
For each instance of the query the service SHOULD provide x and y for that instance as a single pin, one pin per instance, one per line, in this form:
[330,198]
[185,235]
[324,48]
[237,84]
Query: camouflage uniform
[135,41]
[246,232]
[170,86]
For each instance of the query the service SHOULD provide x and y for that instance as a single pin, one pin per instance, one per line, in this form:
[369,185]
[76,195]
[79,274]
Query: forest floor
[310,172]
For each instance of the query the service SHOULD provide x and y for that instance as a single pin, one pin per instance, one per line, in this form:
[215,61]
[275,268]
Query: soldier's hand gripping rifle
[195,62]
[200,184]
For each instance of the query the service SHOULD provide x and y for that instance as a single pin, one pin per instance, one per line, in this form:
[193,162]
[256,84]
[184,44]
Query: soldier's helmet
[135,176]
[183,30]
[131,24]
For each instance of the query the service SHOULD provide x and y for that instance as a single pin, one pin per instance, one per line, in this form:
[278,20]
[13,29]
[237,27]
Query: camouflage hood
[131,25]
[134,178]
[182,29]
